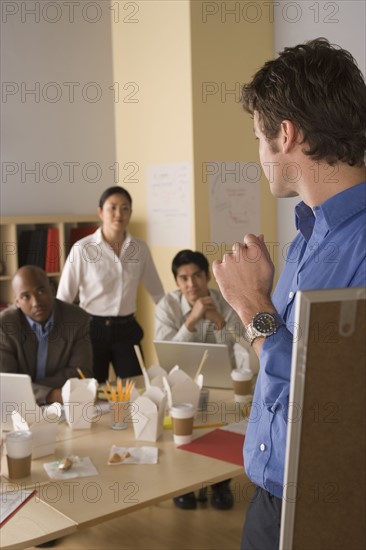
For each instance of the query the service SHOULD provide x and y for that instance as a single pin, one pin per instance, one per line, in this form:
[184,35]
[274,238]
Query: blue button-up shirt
[42,333]
[329,251]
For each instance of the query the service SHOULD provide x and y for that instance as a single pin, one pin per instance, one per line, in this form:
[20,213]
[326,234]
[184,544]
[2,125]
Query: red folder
[220,444]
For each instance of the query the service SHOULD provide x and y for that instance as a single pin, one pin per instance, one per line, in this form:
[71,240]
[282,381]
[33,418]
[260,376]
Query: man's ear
[100,213]
[288,135]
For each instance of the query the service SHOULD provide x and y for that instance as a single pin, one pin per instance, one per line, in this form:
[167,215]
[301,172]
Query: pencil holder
[120,414]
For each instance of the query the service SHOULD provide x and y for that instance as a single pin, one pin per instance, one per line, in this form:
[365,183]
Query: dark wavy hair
[319,87]
[185,257]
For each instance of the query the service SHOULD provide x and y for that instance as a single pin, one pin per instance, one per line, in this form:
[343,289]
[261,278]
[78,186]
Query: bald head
[32,293]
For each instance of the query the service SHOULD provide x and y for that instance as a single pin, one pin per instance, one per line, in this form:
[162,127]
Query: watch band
[262,325]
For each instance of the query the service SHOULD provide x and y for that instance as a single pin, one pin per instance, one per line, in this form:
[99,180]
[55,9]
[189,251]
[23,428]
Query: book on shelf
[77,233]
[52,261]
[37,250]
[23,246]
[40,247]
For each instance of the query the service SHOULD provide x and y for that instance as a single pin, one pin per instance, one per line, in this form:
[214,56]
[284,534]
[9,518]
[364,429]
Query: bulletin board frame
[324,482]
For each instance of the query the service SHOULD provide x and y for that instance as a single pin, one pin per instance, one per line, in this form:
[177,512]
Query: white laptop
[16,393]
[216,370]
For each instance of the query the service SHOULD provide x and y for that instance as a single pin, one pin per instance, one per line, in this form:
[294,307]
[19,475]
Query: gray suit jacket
[69,347]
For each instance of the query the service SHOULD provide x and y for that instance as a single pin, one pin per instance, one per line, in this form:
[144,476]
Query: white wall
[65,56]
[341,22]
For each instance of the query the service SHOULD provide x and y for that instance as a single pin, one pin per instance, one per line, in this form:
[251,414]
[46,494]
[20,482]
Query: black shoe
[186,502]
[222,497]
[202,495]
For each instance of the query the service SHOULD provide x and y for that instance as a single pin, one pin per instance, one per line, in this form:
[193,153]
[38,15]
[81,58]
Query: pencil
[81,374]
[112,391]
[218,425]
[203,361]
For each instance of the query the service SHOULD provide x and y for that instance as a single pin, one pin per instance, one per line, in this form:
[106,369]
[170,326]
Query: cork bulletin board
[324,493]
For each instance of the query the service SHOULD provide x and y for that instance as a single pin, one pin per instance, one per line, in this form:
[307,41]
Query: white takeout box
[43,428]
[183,388]
[148,414]
[79,396]
[156,375]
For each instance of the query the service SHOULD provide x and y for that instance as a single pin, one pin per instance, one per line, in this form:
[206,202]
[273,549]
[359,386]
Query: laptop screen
[16,393]
[187,355]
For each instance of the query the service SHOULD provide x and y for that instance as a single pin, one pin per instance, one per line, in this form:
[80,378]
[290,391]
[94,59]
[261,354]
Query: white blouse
[105,283]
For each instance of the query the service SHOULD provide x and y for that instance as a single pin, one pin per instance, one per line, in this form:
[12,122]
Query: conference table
[60,507]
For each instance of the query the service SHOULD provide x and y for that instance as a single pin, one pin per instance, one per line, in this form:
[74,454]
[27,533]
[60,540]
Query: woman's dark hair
[185,257]
[114,191]
[319,87]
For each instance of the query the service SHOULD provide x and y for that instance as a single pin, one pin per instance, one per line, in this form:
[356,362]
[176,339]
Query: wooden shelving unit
[10,230]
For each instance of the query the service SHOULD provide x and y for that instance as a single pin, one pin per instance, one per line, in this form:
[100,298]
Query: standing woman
[104,271]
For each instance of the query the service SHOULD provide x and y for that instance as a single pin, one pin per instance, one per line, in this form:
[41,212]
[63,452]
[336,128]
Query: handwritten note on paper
[234,200]
[170,204]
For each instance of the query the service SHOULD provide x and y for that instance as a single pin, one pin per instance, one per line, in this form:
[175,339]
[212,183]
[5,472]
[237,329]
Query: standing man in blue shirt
[309,111]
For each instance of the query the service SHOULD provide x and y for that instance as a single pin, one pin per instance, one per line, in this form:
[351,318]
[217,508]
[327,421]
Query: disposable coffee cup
[182,421]
[242,383]
[19,453]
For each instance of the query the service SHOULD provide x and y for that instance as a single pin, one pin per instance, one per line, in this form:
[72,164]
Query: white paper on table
[82,467]
[138,455]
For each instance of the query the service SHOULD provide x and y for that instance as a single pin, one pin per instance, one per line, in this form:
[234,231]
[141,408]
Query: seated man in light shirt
[196,313]
[43,337]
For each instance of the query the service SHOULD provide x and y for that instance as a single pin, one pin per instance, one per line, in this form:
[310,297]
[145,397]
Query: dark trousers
[113,340]
[262,525]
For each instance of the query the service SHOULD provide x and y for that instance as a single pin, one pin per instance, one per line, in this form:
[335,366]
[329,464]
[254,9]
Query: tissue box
[44,429]
[79,396]
[148,414]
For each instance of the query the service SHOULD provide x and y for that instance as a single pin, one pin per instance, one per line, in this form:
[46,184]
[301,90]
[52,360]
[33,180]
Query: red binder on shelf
[77,233]
[52,263]
[220,444]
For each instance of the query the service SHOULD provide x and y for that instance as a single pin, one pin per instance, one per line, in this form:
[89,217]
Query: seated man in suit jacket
[43,337]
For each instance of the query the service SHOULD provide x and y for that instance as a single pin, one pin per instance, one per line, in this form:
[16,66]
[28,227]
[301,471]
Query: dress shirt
[107,284]
[42,334]
[328,252]
[172,311]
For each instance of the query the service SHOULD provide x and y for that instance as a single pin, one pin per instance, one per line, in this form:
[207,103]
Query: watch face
[265,323]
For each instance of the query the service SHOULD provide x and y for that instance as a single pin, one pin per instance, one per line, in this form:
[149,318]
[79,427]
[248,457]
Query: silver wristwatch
[262,325]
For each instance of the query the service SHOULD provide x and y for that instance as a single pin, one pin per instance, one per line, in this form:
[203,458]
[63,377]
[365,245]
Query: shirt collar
[333,211]
[37,327]
[99,236]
